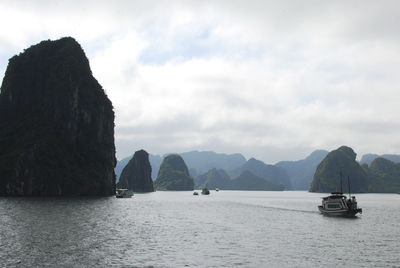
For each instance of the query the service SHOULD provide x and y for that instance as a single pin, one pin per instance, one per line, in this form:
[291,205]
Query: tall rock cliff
[174,175]
[57,125]
[327,175]
[136,175]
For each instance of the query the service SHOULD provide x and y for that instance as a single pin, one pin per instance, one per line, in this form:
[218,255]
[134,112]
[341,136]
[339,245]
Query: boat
[337,204]
[205,191]
[123,193]
[195,193]
[217,189]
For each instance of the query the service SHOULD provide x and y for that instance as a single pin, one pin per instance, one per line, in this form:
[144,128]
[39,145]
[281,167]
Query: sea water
[178,229]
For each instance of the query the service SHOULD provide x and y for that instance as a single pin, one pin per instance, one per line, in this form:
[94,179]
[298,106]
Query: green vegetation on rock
[327,175]
[174,175]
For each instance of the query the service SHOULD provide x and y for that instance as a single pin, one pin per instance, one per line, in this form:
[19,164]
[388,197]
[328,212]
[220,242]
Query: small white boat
[217,189]
[338,204]
[195,193]
[123,193]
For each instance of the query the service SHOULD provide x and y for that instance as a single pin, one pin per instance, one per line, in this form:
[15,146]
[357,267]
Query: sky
[274,80]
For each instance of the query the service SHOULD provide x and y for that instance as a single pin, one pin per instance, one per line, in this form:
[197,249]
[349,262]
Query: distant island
[174,175]
[211,166]
[245,181]
[212,179]
[382,176]
[291,175]
[342,160]
[301,172]
[57,125]
[369,158]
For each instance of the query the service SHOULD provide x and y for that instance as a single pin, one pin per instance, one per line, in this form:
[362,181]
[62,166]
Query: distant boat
[205,191]
[123,193]
[217,189]
[195,193]
[338,204]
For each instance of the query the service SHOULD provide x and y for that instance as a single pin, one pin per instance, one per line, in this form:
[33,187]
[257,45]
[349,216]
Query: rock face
[136,175]
[174,175]
[214,178]
[327,175]
[57,125]
[250,182]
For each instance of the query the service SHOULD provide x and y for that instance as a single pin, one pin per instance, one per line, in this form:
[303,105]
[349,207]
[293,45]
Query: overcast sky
[273,80]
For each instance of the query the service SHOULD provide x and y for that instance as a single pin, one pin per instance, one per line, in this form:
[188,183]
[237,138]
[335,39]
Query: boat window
[333,205]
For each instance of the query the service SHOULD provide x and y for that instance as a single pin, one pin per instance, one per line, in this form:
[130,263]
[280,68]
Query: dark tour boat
[337,204]
[205,191]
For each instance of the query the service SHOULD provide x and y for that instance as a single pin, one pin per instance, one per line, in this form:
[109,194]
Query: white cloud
[270,80]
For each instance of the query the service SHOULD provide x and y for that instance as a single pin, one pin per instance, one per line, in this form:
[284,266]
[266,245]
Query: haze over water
[177,229]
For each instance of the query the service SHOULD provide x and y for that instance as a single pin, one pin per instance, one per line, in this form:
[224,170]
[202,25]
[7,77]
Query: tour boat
[205,191]
[123,193]
[337,204]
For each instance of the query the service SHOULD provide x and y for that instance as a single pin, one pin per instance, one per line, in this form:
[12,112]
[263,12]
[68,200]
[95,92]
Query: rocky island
[174,175]
[136,175]
[57,125]
[327,175]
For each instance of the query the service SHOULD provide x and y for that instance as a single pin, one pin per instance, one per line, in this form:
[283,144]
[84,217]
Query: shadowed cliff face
[136,175]
[57,125]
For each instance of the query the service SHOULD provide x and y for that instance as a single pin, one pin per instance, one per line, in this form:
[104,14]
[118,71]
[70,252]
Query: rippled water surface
[177,229]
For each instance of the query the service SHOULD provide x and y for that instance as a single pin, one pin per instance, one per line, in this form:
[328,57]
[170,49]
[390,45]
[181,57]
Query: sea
[179,229]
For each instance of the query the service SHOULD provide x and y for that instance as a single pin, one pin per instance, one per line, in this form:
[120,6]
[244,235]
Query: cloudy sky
[273,80]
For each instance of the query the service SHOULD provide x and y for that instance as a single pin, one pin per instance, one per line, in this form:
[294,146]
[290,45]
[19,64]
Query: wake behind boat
[338,204]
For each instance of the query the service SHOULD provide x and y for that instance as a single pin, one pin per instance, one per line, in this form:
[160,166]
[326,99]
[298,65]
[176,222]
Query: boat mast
[341,188]
[348,181]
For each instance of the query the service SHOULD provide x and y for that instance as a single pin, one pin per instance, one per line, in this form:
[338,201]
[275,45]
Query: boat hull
[340,212]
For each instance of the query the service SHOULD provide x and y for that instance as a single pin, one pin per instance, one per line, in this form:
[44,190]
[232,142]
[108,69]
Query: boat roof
[335,195]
